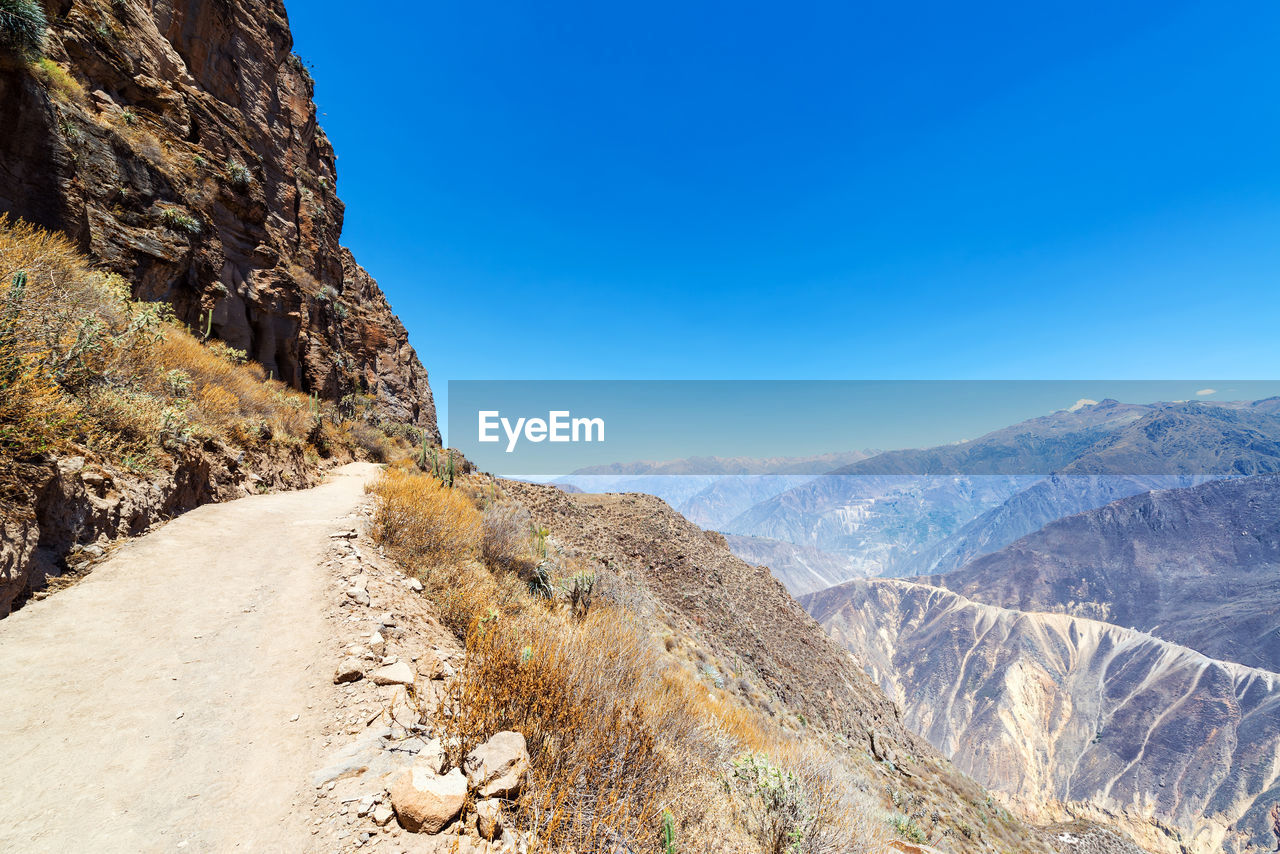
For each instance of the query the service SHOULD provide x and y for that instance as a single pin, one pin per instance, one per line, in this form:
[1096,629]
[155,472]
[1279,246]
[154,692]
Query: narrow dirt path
[151,707]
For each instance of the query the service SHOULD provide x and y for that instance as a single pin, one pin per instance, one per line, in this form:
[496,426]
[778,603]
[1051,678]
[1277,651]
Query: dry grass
[84,368]
[506,543]
[57,80]
[423,520]
[620,730]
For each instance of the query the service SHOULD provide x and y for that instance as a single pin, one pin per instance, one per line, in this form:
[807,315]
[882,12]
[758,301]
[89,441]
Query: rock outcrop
[176,141]
[70,511]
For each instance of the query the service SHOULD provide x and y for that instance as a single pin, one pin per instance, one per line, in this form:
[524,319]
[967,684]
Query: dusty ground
[178,698]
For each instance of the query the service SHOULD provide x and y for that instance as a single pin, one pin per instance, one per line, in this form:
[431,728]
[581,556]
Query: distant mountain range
[1197,566]
[710,490]
[904,513]
[801,568]
[1094,621]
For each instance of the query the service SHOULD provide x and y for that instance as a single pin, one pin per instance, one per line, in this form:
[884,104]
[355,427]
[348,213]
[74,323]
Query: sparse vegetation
[908,829]
[57,80]
[22,27]
[179,220]
[85,368]
[630,749]
[238,175]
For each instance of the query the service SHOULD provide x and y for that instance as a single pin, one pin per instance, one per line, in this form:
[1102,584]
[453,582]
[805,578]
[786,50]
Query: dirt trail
[150,707]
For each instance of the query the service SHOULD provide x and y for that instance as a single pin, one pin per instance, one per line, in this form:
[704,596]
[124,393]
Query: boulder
[425,801]
[496,769]
[399,673]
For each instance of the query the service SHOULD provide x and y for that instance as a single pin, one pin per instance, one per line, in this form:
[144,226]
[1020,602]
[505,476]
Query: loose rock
[349,670]
[496,768]
[425,801]
[399,673]
[489,818]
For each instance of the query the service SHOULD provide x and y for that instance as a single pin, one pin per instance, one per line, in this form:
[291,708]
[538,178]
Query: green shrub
[907,828]
[238,175]
[179,220]
[22,27]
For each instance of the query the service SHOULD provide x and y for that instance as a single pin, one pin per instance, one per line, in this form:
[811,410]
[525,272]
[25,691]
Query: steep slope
[1030,510]
[802,569]
[1197,566]
[177,143]
[749,622]
[882,522]
[1071,713]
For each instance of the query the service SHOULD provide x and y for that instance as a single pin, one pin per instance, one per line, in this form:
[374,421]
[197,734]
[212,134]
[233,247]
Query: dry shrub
[505,542]
[424,521]
[84,366]
[620,730]
[798,800]
[607,756]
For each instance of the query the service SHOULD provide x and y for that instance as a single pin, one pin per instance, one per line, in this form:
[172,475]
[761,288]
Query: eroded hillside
[1074,715]
[758,644]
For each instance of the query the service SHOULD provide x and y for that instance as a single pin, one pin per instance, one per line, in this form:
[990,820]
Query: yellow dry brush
[84,367]
[629,747]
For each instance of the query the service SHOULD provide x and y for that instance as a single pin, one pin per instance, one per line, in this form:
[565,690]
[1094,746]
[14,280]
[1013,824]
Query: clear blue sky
[812,190]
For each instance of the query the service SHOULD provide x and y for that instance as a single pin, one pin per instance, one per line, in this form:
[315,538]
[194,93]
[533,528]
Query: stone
[343,535]
[377,643]
[424,801]
[414,584]
[349,670]
[881,749]
[489,818]
[497,767]
[399,673]
[359,595]
[382,815]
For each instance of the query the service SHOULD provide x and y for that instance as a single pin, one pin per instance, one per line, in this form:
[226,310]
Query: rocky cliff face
[177,142]
[1069,714]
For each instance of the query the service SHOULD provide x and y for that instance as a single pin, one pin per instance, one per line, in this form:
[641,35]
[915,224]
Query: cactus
[668,832]
[540,541]
[208,324]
